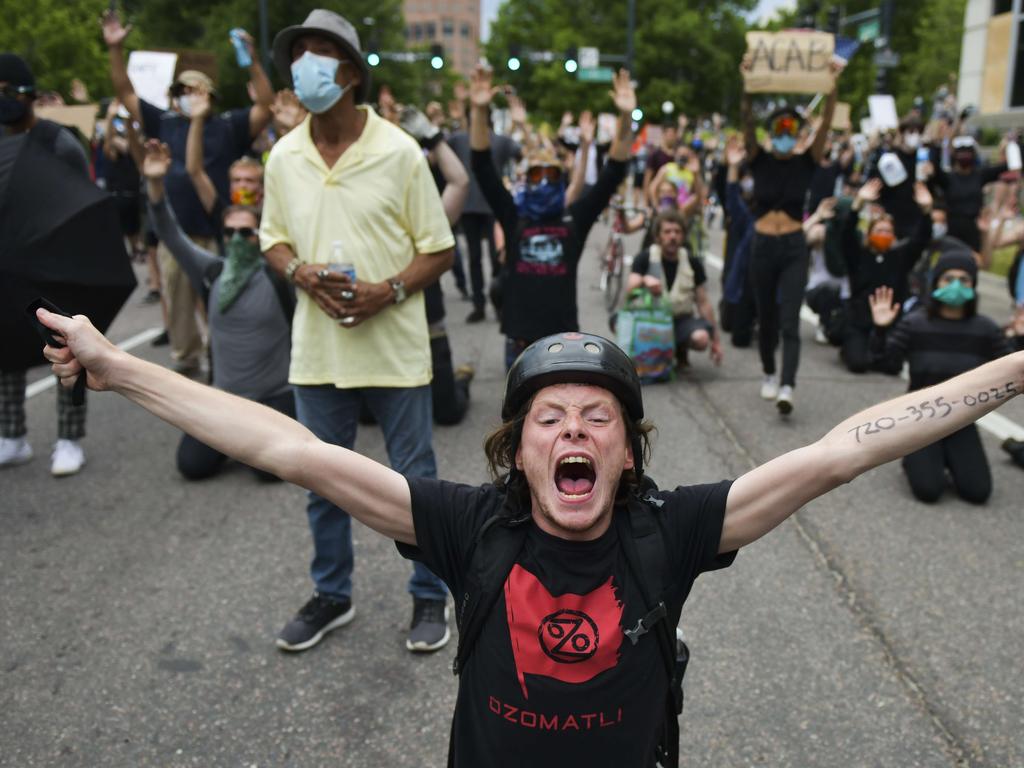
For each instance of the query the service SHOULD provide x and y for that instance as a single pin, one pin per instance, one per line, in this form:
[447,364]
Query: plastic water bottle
[1013,160]
[338,263]
[241,49]
[923,158]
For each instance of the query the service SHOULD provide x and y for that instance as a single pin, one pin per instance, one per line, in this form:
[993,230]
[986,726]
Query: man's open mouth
[575,477]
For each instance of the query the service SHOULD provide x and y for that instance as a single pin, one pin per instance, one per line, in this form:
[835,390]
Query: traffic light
[833,20]
[437,56]
[571,61]
[373,54]
[514,63]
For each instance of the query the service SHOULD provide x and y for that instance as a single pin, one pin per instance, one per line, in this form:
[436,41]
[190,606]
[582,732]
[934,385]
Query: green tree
[60,40]
[686,52]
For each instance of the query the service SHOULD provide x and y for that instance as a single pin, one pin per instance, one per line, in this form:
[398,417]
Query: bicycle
[613,257]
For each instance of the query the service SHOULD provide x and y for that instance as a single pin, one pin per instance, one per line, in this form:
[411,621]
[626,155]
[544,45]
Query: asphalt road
[138,611]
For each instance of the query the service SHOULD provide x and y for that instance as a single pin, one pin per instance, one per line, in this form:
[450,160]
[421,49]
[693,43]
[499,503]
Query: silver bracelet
[292,268]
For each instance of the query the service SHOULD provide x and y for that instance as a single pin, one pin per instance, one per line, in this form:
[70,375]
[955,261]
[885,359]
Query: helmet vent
[556,347]
[592,348]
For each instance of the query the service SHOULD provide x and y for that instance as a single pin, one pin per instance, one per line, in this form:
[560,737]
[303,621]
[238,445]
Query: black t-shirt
[552,679]
[225,139]
[541,257]
[781,185]
[656,159]
[642,265]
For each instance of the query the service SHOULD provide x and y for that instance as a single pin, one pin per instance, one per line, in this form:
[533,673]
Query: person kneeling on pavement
[668,269]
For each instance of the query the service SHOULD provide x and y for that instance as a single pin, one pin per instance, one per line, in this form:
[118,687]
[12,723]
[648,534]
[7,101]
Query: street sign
[886,59]
[869,30]
[595,75]
[590,58]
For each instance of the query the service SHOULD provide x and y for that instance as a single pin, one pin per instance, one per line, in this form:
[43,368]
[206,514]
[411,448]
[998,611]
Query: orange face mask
[881,241]
[243,197]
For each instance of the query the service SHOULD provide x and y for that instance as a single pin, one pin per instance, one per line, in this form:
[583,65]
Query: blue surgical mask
[783,144]
[315,87]
[543,201]
[954,294]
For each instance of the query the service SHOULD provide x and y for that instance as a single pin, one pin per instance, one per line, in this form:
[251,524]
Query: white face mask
[939,230]
[912,139]
[185,104]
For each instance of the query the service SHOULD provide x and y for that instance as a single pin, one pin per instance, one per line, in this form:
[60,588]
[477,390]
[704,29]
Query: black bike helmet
[576,358]
[572,358]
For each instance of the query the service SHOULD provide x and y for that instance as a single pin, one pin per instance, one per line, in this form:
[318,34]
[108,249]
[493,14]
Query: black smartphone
[78,391]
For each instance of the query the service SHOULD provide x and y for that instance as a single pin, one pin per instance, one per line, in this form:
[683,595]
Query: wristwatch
[398,286]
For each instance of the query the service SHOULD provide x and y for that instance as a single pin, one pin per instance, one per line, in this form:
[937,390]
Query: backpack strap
[496,547]
[645,546]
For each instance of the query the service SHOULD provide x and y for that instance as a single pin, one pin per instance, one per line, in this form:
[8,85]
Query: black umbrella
[60,238]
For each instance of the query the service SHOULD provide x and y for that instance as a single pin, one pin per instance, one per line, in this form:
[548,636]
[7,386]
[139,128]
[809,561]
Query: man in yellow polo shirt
[347,186]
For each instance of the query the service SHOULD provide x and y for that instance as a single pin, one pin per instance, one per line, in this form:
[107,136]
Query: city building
[991,62]
[454,25]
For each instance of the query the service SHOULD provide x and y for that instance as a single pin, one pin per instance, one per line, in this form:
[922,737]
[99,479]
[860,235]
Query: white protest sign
[795,61]
[152,73]
[882,108]
[590,58]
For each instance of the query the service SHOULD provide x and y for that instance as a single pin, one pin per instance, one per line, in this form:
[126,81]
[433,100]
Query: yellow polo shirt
[381,202]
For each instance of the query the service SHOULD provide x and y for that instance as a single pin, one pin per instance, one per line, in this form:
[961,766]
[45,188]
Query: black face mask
[11,110]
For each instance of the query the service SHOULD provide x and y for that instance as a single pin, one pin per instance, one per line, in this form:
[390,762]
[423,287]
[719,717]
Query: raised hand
[826,208]
[588,127]
[481,90]
[200,104]
[883,311]
[113,31]
[735,151]
[157,159]
[922,196]
[79,92]
[870,191]
[516,110]
[287,110]
[622,92]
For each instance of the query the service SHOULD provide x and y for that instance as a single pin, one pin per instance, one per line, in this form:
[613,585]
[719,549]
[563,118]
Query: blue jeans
[332,414]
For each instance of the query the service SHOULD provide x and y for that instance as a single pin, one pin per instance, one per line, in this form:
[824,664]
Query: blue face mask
[315,87]
[954,294]
[783,144]
[543,201]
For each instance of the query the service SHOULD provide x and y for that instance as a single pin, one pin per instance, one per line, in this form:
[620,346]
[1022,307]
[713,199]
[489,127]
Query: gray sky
[765,10]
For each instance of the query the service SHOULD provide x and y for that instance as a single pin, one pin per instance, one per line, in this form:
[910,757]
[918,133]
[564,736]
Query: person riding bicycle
[545,237]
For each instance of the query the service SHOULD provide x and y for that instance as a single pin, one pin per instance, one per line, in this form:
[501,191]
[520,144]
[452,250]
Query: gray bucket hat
[332,26]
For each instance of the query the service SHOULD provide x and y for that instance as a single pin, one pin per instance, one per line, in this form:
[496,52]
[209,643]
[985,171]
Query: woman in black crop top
[778,251]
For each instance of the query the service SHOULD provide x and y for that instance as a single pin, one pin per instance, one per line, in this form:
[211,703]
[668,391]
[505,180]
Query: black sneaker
[314,620]
[429,630]
[475,316]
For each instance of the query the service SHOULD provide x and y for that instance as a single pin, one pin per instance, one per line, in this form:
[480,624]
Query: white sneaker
[14,451]
[68,457]
[770,387]
[819,336]
[784,402]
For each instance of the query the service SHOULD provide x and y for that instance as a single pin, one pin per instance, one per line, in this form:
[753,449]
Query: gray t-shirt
[251,341]
[503,152]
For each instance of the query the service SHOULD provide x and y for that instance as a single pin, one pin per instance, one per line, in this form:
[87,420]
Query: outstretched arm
[114,34]
[195,164]
[764,497]
[249,432]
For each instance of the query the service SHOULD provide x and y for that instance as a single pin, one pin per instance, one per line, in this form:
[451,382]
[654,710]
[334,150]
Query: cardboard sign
[795,61]
[80,116]
[841,117]
[152,73]
[883,112]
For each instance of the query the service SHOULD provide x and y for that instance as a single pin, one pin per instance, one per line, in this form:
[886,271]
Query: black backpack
[497,546]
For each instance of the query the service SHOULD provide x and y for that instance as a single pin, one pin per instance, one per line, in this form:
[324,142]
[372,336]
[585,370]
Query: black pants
[824,301]
[198,461]
[778,271]
[478,227]
[963,455]
[856,349]
[450,395]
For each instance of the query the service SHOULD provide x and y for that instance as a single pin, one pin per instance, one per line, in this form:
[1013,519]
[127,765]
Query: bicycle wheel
[612,277]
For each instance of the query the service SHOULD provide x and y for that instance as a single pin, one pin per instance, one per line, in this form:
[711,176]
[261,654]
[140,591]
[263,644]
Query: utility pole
[630,29]
[265,39]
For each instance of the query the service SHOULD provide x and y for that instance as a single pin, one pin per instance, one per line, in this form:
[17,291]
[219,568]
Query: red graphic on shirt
[571,638]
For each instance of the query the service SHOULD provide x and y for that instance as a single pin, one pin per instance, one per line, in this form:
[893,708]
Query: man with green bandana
[247,305]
